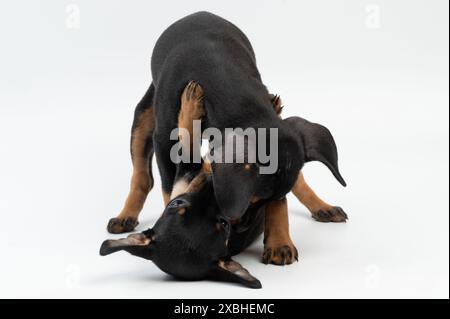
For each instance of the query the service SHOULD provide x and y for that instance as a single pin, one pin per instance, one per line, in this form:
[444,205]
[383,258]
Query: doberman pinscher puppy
[204,68]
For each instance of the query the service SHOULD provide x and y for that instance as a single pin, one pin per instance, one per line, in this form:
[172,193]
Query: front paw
[331,215]
[192,101]
[119,225]
[280,254]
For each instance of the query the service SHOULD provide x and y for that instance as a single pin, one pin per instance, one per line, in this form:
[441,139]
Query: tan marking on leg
[278,246]
[320,210]
[191,109]
[307,197]
[141,180]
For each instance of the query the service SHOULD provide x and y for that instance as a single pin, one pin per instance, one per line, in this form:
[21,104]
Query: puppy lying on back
[204,68]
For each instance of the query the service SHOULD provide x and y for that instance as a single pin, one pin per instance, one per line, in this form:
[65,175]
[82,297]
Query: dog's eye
[177,203]
[224,223]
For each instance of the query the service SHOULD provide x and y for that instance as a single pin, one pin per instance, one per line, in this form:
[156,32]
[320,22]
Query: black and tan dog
[204,68]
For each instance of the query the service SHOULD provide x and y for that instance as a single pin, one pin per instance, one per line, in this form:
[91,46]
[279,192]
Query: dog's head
[237,185]
[189,241]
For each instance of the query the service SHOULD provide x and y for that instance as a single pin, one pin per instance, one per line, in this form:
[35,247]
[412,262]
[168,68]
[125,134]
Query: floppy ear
[135,244]
[234,186]
[230,270]
[317,143]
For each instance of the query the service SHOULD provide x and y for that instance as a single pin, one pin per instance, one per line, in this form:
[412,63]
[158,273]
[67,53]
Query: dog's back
[201,40]
[215,53]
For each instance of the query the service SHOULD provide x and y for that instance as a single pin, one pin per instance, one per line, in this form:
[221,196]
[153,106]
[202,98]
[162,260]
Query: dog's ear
[230,270]
[317,144]
[234,186]
[136,244]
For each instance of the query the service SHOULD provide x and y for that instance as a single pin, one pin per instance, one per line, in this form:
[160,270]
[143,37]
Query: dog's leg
[320,210]
[167,169]
[141,154]
[278,246]
[191,109]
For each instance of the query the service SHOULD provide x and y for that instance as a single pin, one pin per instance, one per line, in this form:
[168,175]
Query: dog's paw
[280,255]
[118,225]
[276,103]
[331,215]
[193,91]
[191,100]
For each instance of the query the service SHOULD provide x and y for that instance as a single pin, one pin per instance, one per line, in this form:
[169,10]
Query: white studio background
[374,72]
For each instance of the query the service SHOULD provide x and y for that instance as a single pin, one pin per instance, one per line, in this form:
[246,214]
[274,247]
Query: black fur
[211,51]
